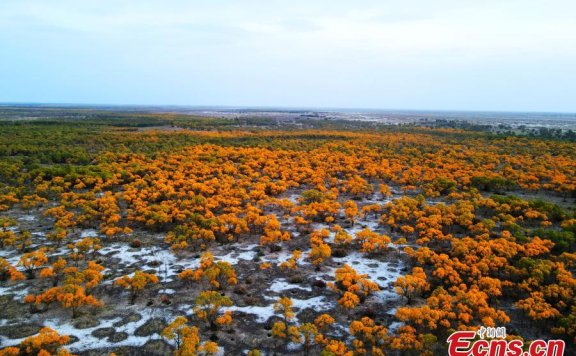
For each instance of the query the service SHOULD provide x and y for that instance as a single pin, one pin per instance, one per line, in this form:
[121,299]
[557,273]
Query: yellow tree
[32,261]
[87,247]
[23,240]
[187,339]
[69,296]
[209,306]
[323,321]
[412,285]
[320,251]
[7,271]
[343,238]
[218,274]
[272,232]
[307,334]
[46,342]
[351,211]
[336,348]
[136,283]
[357,186]
[7,236]
[372,242]
[374,209]
[74,293]
[89,277]
[385,190]
[369,337]
[352,286]
[281,329]
[291,263]
[284,306]
[174,330]
[57,236]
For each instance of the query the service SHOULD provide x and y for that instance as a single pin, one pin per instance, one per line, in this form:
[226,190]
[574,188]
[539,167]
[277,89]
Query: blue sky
[411,54]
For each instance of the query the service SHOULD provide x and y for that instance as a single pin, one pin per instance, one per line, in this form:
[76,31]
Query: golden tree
[284,306]
[209,306]
[7,271]
[412,285]
[46,342]
[369,337]
[351,286]
[32,261]
[187,339]
[351,211]
[218,274]
[292,262]
[320,251]
[136,283]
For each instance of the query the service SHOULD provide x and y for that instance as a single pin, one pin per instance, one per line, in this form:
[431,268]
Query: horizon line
[274,108]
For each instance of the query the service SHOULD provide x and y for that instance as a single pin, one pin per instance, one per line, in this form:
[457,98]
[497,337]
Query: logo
[492,342]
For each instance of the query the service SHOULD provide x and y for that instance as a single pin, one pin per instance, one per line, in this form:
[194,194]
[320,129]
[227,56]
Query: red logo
[465,343]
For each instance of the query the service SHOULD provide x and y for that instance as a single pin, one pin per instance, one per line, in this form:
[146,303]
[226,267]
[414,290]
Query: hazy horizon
[272,108]
[494,56]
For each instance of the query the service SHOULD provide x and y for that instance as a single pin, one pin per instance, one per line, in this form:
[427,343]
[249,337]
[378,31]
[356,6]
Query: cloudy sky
[511,55]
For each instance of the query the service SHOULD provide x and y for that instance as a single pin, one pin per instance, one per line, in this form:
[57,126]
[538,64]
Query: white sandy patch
[243,252]
[395,325]
[141,258]
[12,256]
[294,198]
[16,290]
[281,285]
[318,303]
[263,313]
[88,233]
[360,225]
[383,273]
[88,341]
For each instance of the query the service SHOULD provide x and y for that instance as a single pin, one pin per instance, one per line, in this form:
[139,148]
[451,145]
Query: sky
[497,55]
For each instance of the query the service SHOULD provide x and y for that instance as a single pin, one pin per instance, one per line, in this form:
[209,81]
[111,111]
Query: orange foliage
[136,283]
[217,274]
[46,342]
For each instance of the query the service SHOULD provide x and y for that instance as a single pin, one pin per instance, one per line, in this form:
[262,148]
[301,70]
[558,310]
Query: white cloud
[379,28]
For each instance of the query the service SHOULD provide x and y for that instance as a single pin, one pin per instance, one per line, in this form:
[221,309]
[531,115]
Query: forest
[159,234]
